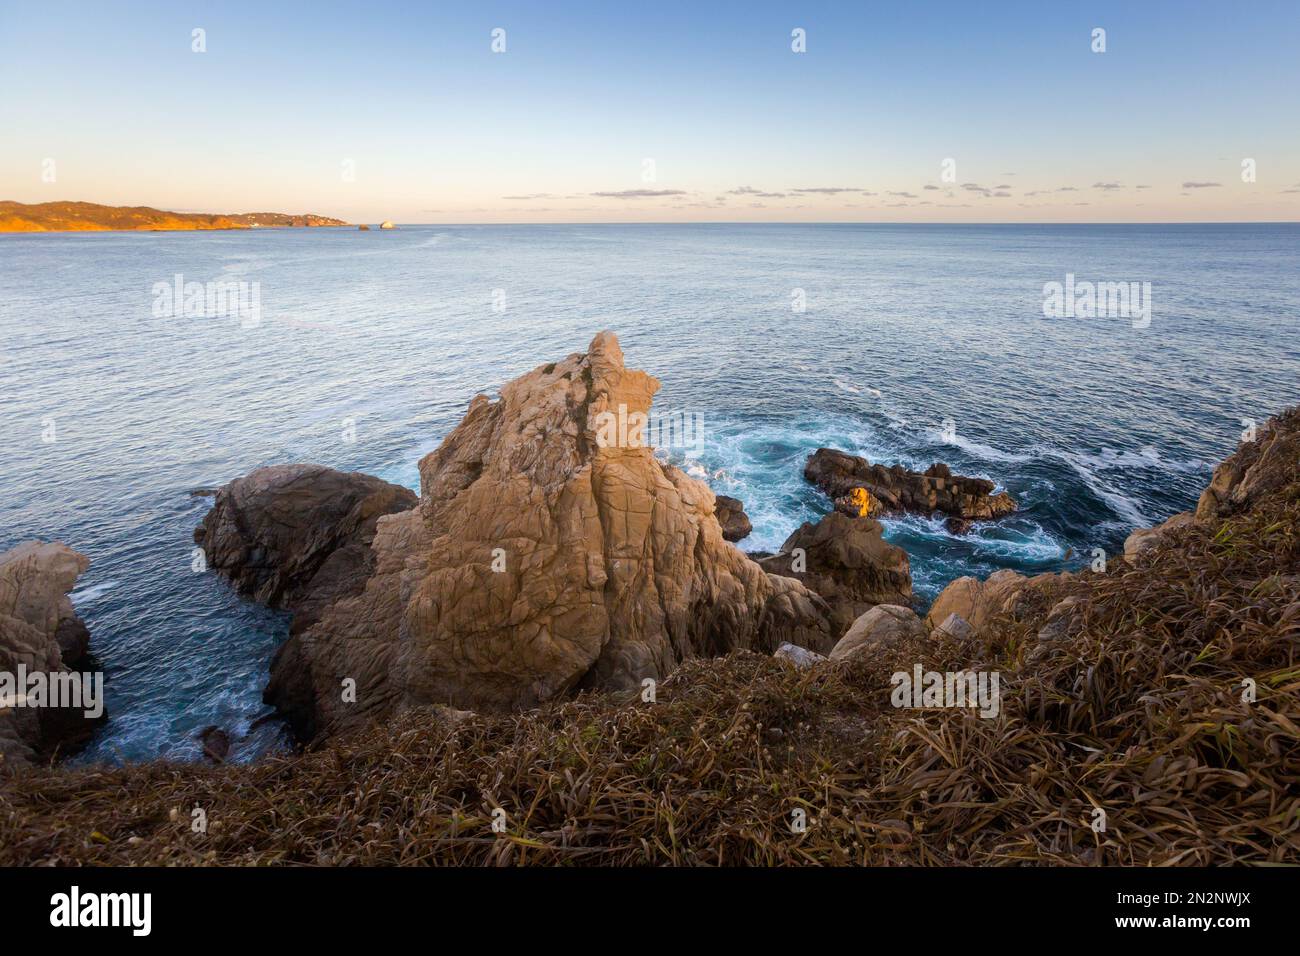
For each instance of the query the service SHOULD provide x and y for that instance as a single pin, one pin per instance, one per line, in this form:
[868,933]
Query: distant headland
[92,217]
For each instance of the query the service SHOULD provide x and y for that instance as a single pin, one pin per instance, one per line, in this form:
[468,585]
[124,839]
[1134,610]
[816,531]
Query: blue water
[1094,426]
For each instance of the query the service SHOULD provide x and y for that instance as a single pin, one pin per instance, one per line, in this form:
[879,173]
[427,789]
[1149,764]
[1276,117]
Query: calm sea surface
[371,344]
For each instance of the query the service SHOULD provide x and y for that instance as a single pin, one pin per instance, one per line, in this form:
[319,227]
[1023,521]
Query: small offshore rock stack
[861,488]
[40,633]
[540,559]
[730,512]
[387,224]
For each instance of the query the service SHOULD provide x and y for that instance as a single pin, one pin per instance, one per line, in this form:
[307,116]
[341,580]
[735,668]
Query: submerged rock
[894,489]
[731,516]
[542,557]
[41,633]
[848,563]
[216,743]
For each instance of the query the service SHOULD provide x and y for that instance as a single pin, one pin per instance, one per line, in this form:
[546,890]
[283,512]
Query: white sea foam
[84,596]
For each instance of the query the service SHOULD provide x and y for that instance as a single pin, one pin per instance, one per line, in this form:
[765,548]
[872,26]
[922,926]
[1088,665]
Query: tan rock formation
[978,602]
[39,632]
[548,552]
[882,626]
[1255,469]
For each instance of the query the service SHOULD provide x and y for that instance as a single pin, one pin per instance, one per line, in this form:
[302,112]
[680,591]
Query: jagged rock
[549,551]
[1144,538]
[895,489]
[40,631]
[800,657]
[883,625]
[848,563]
[1255,469]
[298,536]
[731,516]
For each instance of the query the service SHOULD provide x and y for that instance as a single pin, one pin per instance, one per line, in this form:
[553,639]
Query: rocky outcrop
[298,536]
[882,626]
[730,513]
[387,224]
[1257,468]
[40,633]
[978,602]
[848,563]
[1144,538]
[894,489]
[549,551]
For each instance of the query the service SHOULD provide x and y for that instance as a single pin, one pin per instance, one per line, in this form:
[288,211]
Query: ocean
[903,343]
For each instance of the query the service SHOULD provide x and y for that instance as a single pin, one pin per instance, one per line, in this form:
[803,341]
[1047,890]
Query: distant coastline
[92,217]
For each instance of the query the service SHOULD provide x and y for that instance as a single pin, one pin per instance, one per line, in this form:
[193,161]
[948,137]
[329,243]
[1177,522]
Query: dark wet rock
[893,489]
[298,536]
[848,563]
[216,743]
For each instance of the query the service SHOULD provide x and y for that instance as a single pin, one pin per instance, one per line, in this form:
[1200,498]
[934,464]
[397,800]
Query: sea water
[903,343]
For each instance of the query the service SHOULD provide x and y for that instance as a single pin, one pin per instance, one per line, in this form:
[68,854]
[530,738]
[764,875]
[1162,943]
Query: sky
[663,111]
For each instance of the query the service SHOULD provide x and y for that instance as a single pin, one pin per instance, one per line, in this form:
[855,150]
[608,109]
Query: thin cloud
[1108,186]
[828,190]
[532,196]
[751,191]
[640,193]
[1201,185]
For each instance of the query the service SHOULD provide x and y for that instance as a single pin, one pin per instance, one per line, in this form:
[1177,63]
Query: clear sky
[661,111]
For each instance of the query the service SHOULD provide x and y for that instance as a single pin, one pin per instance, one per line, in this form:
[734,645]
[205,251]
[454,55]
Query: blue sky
[401,110]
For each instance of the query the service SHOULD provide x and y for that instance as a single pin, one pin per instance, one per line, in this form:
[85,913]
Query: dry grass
[1140,713]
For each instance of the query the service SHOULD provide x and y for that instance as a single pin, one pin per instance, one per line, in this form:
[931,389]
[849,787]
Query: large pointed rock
[550,551]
